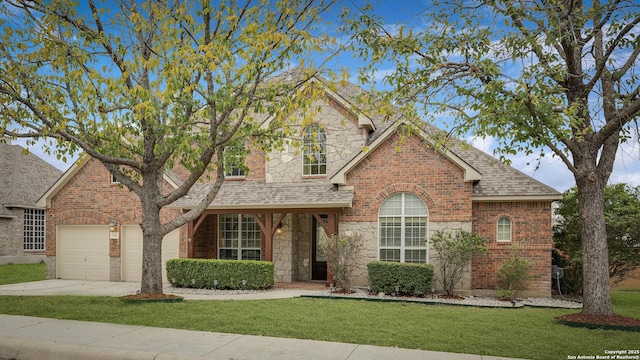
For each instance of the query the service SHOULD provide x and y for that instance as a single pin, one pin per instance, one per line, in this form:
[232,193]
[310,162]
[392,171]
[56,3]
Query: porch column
[268,237]
[331,230]
[190,232]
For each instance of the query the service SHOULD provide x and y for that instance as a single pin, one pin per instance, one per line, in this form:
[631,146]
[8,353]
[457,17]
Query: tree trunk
[151,262]
[595,255]
[151,248]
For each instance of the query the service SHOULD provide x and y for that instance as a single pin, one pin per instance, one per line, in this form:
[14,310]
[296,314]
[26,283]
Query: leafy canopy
[622,213]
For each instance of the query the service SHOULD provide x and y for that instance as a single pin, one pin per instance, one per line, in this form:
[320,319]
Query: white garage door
[131,252]
[82,252]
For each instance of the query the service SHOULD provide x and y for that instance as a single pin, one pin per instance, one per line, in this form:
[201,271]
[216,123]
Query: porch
[287,224]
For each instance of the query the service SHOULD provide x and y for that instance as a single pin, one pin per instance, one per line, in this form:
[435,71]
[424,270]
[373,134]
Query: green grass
[19,273]
[521,333]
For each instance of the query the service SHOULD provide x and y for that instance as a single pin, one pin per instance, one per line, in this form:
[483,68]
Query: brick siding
[89,198]
[531,238]
[408,165]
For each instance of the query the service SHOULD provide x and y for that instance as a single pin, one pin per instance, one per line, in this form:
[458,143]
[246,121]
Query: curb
[373,299]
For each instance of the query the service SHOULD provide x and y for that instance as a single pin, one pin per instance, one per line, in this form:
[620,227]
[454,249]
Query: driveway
[70,287]
[117,289]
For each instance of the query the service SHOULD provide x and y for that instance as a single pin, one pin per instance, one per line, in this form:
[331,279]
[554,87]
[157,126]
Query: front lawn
[521,333]
[19,273]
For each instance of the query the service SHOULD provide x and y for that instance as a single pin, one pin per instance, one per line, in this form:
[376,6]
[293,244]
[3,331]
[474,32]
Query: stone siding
[344,139]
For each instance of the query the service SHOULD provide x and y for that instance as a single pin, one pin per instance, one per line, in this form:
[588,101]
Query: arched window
[314,151]
[504,229]
[403,222]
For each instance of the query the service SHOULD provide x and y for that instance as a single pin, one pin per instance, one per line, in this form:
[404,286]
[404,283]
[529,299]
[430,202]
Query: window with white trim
[234,162]
[504,229]
[314,151]
[403,227]
[34,230]
[239,237]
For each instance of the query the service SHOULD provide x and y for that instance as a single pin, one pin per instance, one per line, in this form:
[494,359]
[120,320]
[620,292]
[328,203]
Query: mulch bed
[614,322]
[152,298]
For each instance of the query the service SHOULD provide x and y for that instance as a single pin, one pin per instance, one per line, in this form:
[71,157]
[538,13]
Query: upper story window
[504,229]
[34,229]
[403,222]
[234,161]
[314,151]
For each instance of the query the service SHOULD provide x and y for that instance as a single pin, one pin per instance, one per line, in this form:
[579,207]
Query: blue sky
[549,170]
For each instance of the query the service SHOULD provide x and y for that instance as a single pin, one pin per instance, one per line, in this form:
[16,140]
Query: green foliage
[622,213]
[412,279]
[453,255]
[229,273]
[537,76]
[513,273]
[343,253]
[145,87]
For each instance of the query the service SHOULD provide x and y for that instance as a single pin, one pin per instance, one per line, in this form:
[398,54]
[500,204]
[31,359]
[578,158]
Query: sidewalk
[31,338]
[24,338]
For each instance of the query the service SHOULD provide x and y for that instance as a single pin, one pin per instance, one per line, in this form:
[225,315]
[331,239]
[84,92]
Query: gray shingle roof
[255,195]
[498,179]
[24,178]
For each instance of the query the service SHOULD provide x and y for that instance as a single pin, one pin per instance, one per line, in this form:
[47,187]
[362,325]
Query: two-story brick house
[353,174]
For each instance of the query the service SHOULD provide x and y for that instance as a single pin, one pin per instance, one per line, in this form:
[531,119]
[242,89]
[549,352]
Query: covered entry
[282,223]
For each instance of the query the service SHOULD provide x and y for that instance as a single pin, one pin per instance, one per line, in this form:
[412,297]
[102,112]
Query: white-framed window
[34,230]
[113,179]
[239,237]
[504,229]
[403,222]
[314,151]
[234,162]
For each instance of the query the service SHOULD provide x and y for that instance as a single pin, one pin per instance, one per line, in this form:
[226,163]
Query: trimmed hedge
[413,279]
[229,273]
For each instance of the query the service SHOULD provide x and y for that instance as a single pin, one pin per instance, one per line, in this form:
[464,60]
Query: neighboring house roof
[252,195]
[24,178]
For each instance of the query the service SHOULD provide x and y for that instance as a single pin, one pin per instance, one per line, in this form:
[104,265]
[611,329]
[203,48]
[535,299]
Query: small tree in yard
[513,273]
[453,254]
[343,253]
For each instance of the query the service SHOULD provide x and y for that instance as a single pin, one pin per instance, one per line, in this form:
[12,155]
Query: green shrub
[343,253]
[513,273]
[453,253]
[202,273]
[412,279]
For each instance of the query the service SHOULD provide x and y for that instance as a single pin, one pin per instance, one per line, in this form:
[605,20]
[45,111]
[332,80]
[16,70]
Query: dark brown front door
[318,251]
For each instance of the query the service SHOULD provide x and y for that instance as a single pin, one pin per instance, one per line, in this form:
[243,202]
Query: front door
[318,251]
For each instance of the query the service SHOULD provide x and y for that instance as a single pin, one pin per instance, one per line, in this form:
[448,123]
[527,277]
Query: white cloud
[551,171]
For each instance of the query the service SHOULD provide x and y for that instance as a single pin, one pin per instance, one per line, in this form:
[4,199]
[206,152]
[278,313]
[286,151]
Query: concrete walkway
[109,288]
[24,337]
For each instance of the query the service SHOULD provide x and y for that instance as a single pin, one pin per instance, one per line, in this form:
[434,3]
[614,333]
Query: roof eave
[45,199]
[340,178]
[295,206]
[517,198]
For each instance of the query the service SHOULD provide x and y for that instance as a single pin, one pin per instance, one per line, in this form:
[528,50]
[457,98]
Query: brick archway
[415,189]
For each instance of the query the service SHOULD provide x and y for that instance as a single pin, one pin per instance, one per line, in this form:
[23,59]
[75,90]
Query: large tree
[537,75]
[622,212]
[145,86]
